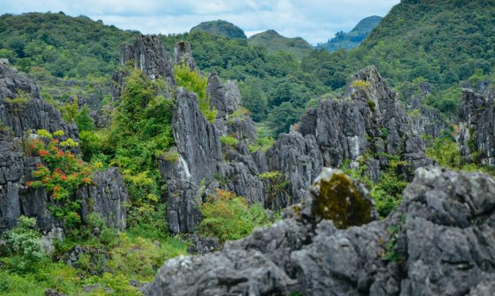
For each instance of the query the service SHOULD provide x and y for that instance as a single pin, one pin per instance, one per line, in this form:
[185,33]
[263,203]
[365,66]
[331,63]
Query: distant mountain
[220,28]
[274,42]
[352,39]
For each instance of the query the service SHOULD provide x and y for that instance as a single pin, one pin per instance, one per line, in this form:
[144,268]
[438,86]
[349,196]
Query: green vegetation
[274,43]
[220,28]
[276,185]
[442,42]
[387,190]
[109,263]
[229,217]
[194,82]
[141,133]
[61,45]
[229,141]
[61,173]
[340,201]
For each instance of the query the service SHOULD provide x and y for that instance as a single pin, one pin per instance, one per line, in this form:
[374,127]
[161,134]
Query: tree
[282,117]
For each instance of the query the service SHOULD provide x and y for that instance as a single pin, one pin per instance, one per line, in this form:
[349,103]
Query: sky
[314,20]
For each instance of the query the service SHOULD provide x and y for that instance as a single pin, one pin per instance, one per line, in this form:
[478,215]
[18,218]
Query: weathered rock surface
[437,243]
[299,160]
[373,121]
[476,137]
[148,55]
[224,98]
[107,197]
[199,152]
[32,113]
[183,54]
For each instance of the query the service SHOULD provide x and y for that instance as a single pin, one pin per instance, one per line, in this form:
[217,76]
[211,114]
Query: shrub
[229,141]
[276,185]
[360,84]
[61,173]
[25,241]
[228,217]
[193,81]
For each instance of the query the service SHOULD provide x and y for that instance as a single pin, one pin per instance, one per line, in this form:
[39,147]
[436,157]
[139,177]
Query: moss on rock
[340,200]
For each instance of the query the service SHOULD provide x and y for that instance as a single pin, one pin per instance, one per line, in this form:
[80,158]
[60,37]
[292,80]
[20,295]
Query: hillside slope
[274,42]
[353,38]
[220,28]
[444,43]
[62,45]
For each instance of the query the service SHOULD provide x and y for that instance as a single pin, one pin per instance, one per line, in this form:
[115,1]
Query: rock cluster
[426,121]
[22,111]
[437,242]
[220,154]
[476,136]
[367,126]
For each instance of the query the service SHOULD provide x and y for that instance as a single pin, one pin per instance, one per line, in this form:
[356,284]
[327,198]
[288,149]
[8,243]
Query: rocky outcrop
[183,55]
[436,243]
[224,98]
[299,160]
[107,197]
[426,121]
[476,136]
[148,55]
[198,152]
[367,127]
[22,111]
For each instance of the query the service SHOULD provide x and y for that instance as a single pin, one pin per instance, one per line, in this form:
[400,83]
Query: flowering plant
[61,173]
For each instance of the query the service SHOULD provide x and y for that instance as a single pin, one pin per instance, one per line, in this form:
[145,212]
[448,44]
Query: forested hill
[444,43]
[274,42]
[64,46]
[353,38]
[220,28]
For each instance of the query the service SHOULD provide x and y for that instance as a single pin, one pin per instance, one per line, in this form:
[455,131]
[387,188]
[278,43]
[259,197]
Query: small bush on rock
[229,217]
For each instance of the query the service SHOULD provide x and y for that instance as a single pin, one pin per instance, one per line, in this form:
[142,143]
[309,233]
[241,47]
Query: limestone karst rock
[437,242]
[372,120]
[147,54]
[425,120]
[18,119]
[183,54]
[476,136]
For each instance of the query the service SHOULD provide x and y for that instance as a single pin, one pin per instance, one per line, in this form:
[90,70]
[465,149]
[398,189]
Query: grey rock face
[442,236]
[183,54]
[149,56]
[183,206]
[372,120]
[476,137]
[298,158]
[199,152]
[197,140]
[225,98]
[107,197]
[16,164]
[32,114]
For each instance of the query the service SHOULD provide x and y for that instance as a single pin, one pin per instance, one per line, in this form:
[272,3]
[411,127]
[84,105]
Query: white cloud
[314,20]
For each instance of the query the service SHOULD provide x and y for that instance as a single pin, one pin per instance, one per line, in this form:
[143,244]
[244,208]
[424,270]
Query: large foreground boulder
[439,242]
